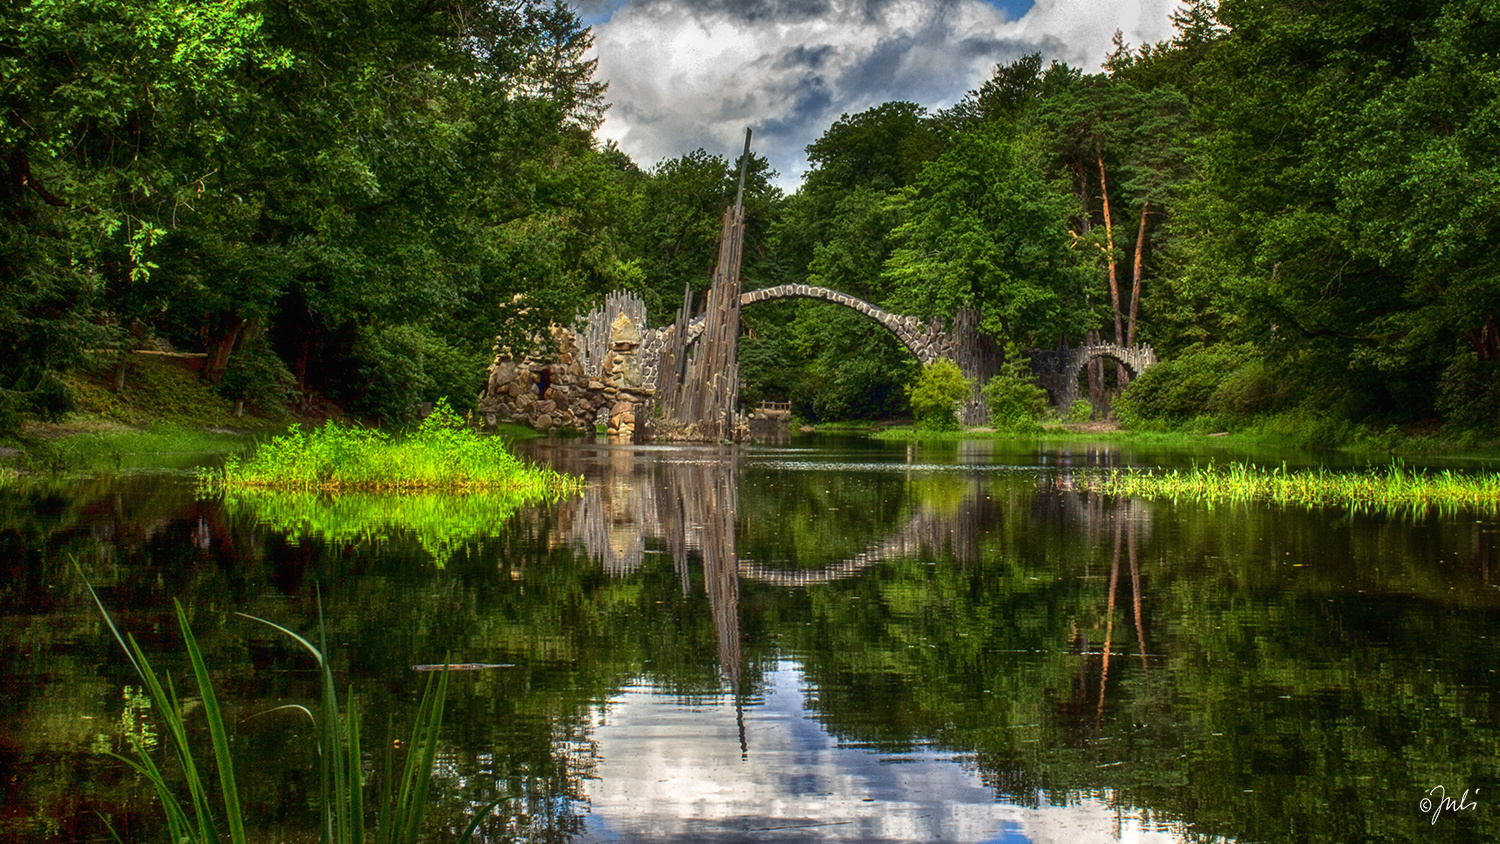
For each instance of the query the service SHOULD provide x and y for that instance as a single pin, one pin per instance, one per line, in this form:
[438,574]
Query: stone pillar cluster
[623,387]
[556,393]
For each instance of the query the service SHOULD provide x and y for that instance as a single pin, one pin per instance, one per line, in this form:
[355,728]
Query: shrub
[935,396]
[404,365]
[258,376]
[1080,411]
[1469,395]
[12,406]
[1016,402]
[1242,392]
[1228,379]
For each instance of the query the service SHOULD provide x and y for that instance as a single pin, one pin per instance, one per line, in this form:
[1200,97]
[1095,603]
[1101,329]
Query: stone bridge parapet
[926,341]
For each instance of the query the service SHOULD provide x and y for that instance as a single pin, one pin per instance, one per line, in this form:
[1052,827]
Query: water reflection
[669,771]
[731,644]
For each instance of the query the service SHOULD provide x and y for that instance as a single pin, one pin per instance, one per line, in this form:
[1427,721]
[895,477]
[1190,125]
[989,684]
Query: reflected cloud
[671,771]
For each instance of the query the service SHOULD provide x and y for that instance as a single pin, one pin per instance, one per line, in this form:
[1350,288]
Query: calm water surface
[823,641]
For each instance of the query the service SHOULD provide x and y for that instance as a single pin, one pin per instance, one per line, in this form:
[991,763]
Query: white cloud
[691,73]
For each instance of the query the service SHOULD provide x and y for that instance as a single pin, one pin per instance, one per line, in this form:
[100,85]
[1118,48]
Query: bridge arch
[1057,370]
[926,342]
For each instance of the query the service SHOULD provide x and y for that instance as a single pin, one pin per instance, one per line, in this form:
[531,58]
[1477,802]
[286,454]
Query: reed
[441,454]
[398,811]
[1394,487]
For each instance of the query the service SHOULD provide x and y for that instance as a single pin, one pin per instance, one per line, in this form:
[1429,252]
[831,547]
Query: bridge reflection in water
[669,769]
[684,501]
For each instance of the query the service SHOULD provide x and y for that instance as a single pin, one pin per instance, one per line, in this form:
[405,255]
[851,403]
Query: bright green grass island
[442,455]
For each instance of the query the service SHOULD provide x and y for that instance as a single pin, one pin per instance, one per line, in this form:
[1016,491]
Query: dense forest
[1295,203]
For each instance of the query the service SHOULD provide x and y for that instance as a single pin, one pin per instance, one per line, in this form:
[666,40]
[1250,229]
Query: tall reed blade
[165,701]
[356,819]
[216,731]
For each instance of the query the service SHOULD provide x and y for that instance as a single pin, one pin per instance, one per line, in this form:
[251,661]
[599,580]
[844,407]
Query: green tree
[217,173]
[674,232]
[1015,401]
[105,107]
[982,229]
[834,232]
[936,394]
[1348,176]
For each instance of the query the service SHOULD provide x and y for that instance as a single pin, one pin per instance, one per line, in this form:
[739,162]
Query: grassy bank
[443,453]
[157,390]
[1387,443]
[1071,432]
[1391,488]
[165,417]
[94,445]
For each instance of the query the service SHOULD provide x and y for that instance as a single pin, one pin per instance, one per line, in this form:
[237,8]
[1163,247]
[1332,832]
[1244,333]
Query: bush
[258,376]
[53,398]
[404,365]
[936,394]
[1469,395]
[1016,402]
[1224,379]
[1082,410]
[50,398]
[1243,391]
[12,407]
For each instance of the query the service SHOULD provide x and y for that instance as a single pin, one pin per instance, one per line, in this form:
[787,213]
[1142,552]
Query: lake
[827,640]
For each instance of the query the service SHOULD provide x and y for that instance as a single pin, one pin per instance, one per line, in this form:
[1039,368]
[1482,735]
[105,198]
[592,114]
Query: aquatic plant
[442,453]
[399,811]
[1392,487]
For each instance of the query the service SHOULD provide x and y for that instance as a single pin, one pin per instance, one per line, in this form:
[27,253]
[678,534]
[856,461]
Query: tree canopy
[361,216]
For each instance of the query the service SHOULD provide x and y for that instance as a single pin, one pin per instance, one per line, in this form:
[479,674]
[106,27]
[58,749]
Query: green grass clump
[1392,488]
[441,454]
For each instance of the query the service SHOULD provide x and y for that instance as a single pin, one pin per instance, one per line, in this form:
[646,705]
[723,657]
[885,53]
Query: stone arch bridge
[927,342]
[573,389]
[1057,370]
[977,355]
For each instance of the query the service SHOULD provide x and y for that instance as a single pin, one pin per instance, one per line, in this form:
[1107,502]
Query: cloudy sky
[689,73]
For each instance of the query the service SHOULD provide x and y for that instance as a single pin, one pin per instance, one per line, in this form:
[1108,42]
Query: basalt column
[706,401]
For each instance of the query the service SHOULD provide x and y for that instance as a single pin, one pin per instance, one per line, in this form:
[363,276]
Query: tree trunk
[1086,222]
[1109,252]
[1135,285]
[1486,341]
[122,365]
[1098,394]
[218,356]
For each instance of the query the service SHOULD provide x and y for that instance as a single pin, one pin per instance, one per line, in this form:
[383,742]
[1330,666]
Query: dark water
[827,641]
